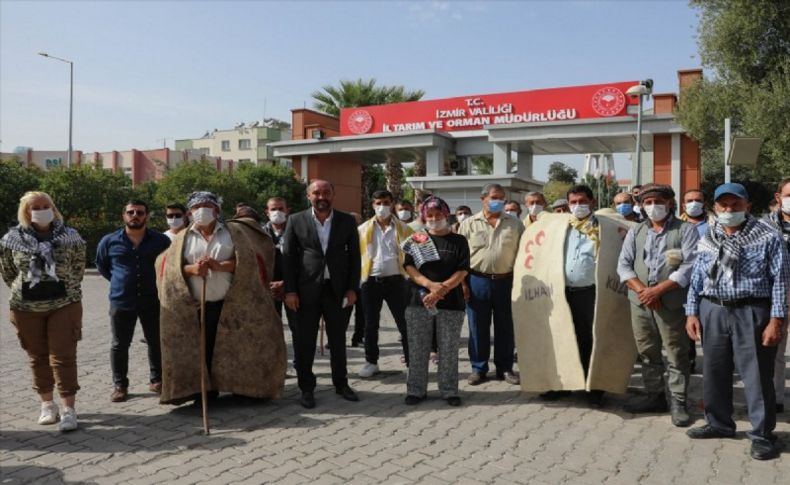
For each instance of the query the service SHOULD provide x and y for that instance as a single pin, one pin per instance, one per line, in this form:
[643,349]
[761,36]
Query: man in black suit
[321,266]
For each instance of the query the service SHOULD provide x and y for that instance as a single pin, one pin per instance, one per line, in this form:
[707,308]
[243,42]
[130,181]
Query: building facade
[247,142]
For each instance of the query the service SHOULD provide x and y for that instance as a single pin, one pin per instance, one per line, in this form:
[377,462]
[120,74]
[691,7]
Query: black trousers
[306,324]
[359,319]
[122,322]
[375,291]
[582,303]
[213,311]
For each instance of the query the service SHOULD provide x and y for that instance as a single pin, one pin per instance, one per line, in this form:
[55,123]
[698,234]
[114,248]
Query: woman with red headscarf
[437,261]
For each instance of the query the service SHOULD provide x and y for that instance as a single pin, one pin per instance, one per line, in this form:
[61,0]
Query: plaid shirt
[763,271]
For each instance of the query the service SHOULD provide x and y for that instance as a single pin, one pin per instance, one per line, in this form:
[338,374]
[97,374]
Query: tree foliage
[603,188]
[15,179]
[349,94]
[265,181]
[746,46]
[555,189]
[483,165]
[559,172]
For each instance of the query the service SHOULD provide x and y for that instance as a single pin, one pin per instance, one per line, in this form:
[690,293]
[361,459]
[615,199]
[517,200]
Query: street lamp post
[644,88]
[71,100]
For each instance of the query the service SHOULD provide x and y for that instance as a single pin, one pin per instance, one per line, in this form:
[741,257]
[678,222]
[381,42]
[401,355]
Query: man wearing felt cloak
[245,348]
[571,313]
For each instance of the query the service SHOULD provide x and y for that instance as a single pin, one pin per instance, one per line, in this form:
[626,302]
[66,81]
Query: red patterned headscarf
[434,202]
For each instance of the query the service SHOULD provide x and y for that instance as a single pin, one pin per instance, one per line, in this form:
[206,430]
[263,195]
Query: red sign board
[476,112]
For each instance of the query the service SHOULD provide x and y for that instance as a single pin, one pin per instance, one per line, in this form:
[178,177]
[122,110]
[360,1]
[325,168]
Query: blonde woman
[43,261]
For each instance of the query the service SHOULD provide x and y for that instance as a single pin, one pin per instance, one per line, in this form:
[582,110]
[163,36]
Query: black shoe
[357,341]
[509,377]
[307,400]
[454,401]
[763,450]
[655,402]
[475,379]
[554,395]
[780,408]
[707,431]
[680,416]
[596,399]
[347,393]
[413,400]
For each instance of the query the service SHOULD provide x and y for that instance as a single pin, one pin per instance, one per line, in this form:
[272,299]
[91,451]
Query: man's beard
[321,205]
[135,225]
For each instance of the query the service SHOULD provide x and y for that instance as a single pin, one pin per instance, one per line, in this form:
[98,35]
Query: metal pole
[71,110]
[639,143]
[727,129]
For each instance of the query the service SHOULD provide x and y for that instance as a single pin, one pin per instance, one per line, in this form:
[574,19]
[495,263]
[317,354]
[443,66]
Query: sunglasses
[174,216]
[135,213]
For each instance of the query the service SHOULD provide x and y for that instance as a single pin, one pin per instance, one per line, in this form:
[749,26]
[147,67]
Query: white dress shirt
[221,248]
[323,231]
[384,251]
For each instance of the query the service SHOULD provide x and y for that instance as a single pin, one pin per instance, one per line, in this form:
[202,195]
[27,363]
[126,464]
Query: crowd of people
[705,271]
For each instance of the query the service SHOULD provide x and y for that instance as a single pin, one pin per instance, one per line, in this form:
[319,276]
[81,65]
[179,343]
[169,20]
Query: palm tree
[350,94]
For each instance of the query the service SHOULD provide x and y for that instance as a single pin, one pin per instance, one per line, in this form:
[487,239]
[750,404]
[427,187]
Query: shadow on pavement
[12,475]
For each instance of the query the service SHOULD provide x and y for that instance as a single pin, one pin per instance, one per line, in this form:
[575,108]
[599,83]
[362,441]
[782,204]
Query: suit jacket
[304,260]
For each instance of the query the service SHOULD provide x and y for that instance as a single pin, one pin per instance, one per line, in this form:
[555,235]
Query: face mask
[694,209]
[534,209]
[496,206]
[731,219]
[175,222]
[637,208]
[786,205]
[203,216]
[404,215]
[580,211]
[461,217]
[277,217]
[382,211]
[436,225]
[512,213]
[42,217]
[656,212]
[625,209]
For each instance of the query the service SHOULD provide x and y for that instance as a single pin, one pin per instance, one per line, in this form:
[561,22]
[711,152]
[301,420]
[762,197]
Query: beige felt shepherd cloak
[548,355]
[249,354]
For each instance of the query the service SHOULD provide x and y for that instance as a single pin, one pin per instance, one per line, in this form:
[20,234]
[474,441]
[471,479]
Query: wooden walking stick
[203,369]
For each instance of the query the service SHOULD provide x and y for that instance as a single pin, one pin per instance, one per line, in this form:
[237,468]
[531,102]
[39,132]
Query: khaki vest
[677,297]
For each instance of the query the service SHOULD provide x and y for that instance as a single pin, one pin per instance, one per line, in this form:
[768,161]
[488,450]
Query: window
[226,145]
[244,144]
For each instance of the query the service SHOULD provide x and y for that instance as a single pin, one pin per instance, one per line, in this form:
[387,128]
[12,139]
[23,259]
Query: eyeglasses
[174,216]
[135,212]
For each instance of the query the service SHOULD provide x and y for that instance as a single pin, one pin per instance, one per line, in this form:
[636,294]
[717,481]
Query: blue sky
[151,70]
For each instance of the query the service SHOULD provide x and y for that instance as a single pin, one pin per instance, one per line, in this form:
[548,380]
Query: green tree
[90,200]
[373,179]
[483,165]
[331,99]
[15,179]
[560,172]
[265,181]
[746,46]
[555,189]
[603,188]
[200,175]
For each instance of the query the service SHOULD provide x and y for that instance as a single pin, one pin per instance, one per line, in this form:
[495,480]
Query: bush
[15,180]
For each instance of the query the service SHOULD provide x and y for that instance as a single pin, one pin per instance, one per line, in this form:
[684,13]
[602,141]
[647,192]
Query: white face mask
[786,205]
[694,209]
[512,213]
[637,208]
[382,211]
[534,209]
[404,215]
[175,222]
[580,211]
[277,217]
[43,216]
[203,216]
[731,219]
[436,225]
[656,212]
[461,217]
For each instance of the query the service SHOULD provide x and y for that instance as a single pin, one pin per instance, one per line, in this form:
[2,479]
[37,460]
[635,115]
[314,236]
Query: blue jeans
[489,296]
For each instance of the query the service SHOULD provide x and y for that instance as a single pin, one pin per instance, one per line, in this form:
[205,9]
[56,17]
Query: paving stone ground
[499,435]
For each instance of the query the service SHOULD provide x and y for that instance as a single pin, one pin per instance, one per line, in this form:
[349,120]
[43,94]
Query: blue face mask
[731,219]
[496,206]
[625,209]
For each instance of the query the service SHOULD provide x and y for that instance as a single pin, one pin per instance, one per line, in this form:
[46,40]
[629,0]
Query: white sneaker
[68,422]
[368,370]
[49,413]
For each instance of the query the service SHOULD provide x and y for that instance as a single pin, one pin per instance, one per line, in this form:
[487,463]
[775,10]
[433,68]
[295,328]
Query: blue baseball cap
[737,190]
